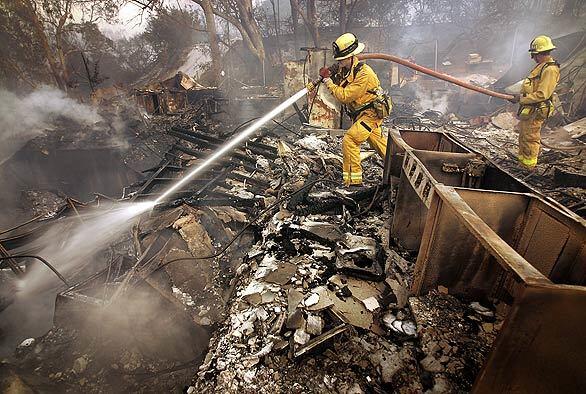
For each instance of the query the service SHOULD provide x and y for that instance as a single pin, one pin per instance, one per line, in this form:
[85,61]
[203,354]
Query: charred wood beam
[169,168]
[180,194]
[199,141]
[226,161]
[268,149]
[219,202]
[188,136]
[217,180]
[563,178]
[196,180]
[214,181]
[213,199]
[167,180]
[209,201]
[151,179]
[255,147]
[206,137]
[253,181]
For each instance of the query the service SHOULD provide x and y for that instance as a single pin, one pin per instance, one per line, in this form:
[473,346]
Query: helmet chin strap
[346,70]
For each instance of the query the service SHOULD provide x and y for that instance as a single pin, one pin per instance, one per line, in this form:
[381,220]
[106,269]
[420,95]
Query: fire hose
[424,70]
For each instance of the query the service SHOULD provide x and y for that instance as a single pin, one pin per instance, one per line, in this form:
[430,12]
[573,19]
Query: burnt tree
[309,18]
[239,14]
[49,28]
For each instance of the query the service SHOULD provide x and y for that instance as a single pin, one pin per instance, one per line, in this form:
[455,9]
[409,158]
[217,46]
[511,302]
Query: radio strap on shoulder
[554,63]
[357,69]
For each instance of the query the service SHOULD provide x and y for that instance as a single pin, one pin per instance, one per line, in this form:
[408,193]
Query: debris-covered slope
[321,303]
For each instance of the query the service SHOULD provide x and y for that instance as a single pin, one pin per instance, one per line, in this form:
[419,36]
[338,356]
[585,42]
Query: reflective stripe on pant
[529,141]
[366,128]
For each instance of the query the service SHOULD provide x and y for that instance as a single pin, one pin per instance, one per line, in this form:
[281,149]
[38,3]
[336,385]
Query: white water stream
[73,246]
[235,141]
[73,242]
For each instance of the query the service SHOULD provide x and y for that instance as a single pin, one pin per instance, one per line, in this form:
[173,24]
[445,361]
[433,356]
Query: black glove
[334,68]
[515,98]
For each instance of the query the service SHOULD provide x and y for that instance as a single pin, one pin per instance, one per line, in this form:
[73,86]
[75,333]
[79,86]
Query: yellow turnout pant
[529,141]
[366,128]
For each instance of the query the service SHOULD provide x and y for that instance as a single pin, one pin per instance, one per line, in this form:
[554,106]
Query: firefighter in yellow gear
[535,100]
[357,90]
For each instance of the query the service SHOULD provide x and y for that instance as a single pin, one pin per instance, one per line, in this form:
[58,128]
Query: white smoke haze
[436,100]
[23,118]
[118,125]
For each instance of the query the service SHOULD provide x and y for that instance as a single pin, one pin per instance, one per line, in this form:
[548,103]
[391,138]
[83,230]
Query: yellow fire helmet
[347,45]
[541,44]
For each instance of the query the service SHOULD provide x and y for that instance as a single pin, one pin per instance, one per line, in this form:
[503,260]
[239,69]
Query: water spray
[239,138]
[75,245]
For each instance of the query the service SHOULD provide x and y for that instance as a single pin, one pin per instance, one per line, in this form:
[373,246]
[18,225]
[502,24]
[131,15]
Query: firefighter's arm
[353,91]
[547,84]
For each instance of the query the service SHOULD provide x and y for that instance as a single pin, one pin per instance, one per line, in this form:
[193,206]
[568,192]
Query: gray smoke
[436,100]
[22,118]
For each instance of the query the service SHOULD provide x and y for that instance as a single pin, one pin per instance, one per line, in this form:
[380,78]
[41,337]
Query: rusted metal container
[422,170]
[483,234]
[461,226]
[520,249]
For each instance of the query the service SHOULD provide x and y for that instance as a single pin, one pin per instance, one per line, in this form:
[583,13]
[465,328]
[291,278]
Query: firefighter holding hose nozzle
[535,100]
[358,88]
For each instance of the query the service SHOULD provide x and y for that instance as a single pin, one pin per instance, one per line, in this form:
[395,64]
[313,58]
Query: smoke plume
[23,118]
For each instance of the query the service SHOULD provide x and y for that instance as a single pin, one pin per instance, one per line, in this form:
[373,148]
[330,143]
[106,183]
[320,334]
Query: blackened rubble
[135,324]
[309,299]
[320,302]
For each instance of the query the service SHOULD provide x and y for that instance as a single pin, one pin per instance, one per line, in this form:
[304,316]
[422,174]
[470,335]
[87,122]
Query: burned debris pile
[316,311]
[300,291]
[263,274]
